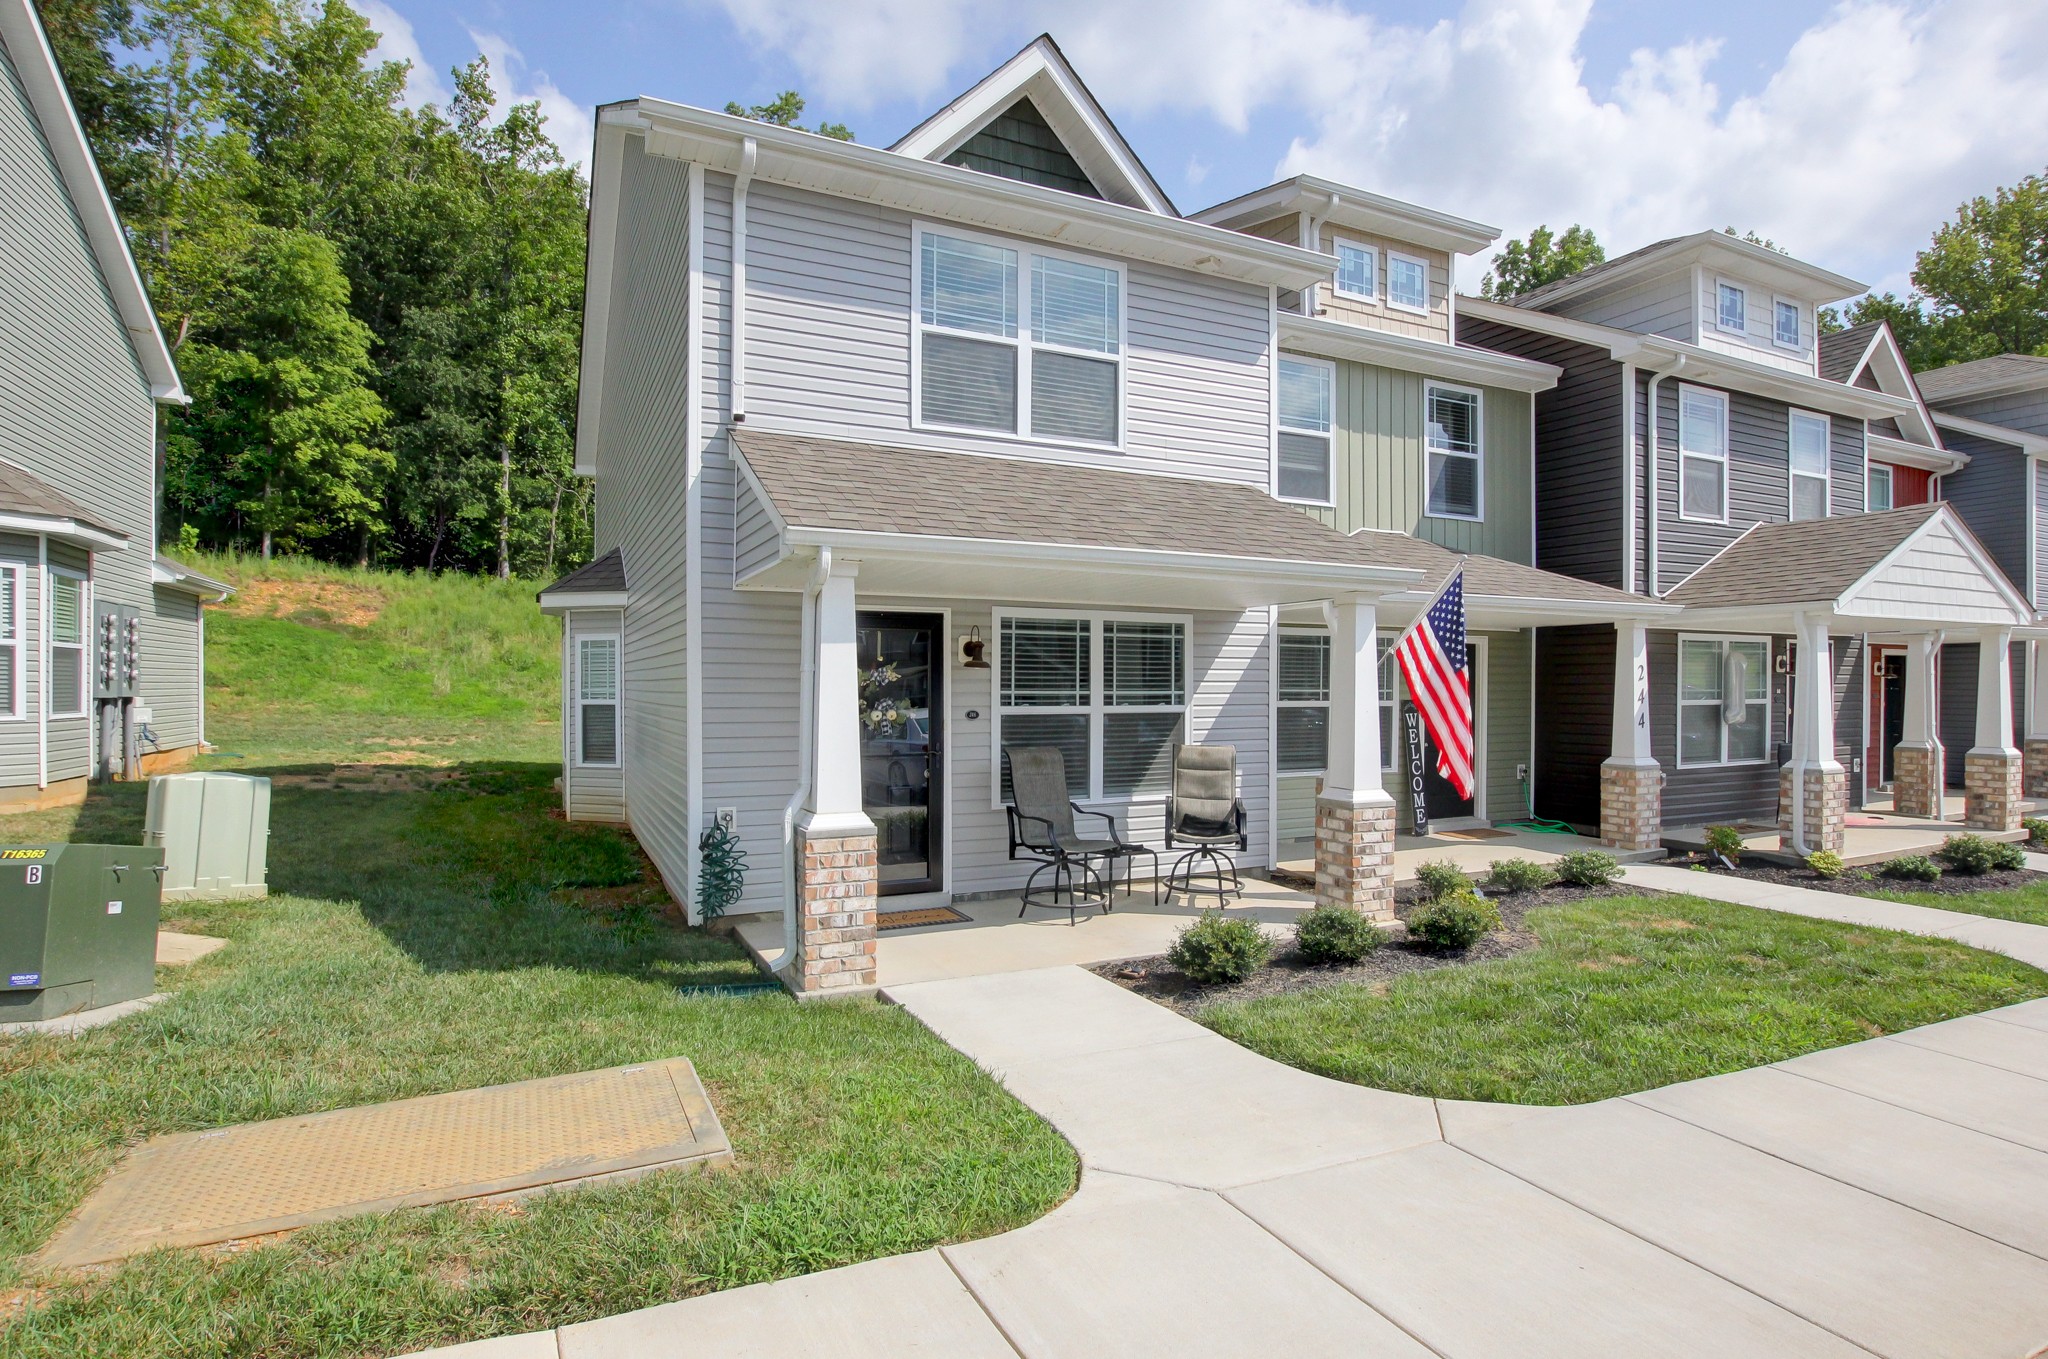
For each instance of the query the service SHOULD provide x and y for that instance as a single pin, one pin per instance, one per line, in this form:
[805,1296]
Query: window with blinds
[1303,717]
[67,644]
[1110,693]
[597,700]
[1456,461]
[10,640]
[1308,392]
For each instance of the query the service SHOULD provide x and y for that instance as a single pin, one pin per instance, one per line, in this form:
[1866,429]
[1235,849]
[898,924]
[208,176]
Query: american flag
[1437,666]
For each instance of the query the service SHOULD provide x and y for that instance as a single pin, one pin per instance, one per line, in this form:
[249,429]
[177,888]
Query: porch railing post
[1992,768]
[837,879]
[1354,812]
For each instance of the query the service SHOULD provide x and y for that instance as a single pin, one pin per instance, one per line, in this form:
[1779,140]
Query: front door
[902,745]
[1438,794]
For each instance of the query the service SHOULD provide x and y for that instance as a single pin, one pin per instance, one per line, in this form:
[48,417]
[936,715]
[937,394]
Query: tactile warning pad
[190,1189]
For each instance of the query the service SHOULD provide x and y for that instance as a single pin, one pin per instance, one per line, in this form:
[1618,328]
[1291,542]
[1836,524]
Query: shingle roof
[606,575]
[21,493]
[1840,351]
[1960,381]
[1809,562]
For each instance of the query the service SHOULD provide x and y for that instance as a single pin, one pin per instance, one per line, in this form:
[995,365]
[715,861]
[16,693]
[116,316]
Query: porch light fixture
[971,649]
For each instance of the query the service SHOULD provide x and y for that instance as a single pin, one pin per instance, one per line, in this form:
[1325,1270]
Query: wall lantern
[971,649]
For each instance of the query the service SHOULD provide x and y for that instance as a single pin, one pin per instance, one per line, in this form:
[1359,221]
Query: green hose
[1534,824]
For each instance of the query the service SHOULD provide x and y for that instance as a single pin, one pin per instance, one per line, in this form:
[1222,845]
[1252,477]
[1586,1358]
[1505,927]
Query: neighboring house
[78,491]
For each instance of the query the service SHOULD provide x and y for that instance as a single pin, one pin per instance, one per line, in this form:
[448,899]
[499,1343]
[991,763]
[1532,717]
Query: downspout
[1806,738]
[1655,584]
[42,661]
[1631,509]
[807,685]
[749,153]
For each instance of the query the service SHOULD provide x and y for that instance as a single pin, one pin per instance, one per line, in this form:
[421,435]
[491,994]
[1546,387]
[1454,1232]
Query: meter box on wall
[117,671]
[77,928]
[214,830]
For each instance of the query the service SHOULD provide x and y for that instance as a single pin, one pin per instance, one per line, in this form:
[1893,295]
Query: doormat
[922,915]
[1483,833]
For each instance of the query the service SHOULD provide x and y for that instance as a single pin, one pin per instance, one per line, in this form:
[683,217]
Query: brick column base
[1917,780]
[1631,806]
[836,896]
[1826,811]
[1991,790]
[2034,763]
[1355,856]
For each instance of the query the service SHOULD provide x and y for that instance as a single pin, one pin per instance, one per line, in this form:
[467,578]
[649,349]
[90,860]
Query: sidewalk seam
[946,1253]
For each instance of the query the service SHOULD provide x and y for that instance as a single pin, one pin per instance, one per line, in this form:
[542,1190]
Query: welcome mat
[921,915]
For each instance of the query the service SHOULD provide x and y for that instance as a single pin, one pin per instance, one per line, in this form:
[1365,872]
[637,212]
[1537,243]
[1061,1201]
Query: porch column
[1991,769]
[1813,790]
[1631,780]
[1917,776]
[1354,811]
[2034,752]
[837,879]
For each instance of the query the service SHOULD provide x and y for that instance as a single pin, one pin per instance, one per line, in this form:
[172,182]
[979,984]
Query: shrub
[1973,854]
[1441,879]
[2037,830]
[1912,868]
[1336,934]
[1826,863]
[1725,841]
[1454,920]
[1219,948]
[1587,868]
[1518,875]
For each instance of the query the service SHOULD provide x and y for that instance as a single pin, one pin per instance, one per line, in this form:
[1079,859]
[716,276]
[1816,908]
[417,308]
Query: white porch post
[1354,812]
[1813,790]
[1917,772]
[2034,750]
[1991,769]
[1631,781]
[836,884]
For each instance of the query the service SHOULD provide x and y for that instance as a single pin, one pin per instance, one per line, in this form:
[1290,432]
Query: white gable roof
[1940,571]
[1886,364]
[1040,72]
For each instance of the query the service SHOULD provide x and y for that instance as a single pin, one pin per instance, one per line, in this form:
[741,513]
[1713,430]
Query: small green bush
[1518,875]
[1587,868]
[1440,879]
[1336,934]
[1912,868]
[1826,863]
[1453,921]
[1725,841]
[2037,830]
[1219,948]
[1973,854]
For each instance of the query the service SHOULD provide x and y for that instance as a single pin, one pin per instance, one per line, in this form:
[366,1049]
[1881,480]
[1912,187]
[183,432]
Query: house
[905,455]
[100,636]
[1703,447]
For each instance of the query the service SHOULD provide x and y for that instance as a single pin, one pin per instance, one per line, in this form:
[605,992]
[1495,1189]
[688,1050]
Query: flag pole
[1423,612]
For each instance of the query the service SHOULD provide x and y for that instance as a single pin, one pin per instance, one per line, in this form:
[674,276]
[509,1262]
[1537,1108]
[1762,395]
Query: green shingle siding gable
[1019,144]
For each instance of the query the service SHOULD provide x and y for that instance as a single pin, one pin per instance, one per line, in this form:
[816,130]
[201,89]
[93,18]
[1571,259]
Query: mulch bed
[1287,971]
[1863,882]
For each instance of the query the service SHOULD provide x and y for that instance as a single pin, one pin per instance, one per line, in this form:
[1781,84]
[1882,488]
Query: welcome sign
[1417,798]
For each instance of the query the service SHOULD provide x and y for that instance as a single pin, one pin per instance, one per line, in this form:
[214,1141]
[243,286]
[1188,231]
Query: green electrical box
[77,927]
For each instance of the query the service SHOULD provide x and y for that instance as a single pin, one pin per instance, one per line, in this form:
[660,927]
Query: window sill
[1407,307]
[1685,518]
[980,432]
[1461,518]
[1306,504]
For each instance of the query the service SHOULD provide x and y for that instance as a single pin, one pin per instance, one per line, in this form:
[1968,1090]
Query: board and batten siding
[1990,493]
[1575,694]
[589,792]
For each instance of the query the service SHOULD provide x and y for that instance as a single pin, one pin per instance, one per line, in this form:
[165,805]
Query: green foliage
[1519,875]
[1974,855]
[1587,868]
[1336,934]
[1441,878]
[1218,949]
[1523,266]
[1754,239]
[721,870]
[1455,920]
[1826,863]
[783,111]
[1725,841]
[1912,868]
[2037,830]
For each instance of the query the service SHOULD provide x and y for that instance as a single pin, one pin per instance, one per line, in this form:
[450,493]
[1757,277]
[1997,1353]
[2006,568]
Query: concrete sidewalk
[1884,1198]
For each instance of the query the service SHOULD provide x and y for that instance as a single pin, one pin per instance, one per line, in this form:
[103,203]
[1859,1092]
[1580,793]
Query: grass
[2028,905]
[1624,994]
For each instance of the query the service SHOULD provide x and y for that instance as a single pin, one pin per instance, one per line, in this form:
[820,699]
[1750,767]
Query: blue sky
[1845,131]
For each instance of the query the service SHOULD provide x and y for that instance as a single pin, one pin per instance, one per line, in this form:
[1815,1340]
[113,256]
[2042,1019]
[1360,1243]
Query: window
[1724,700]
[1110,692]
[67,644]
[1407,282]
[1303,720]
[1880,490]
[1358,270]
[1390,702]
[1307,413]
[1702,454]
[1052,370]
[10,641]
[597,700]
[1734,309]
[1787,329]
[1452,434]
[1809,457]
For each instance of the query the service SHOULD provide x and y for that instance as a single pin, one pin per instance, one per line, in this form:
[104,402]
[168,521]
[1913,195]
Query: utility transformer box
[214,831]
[77,927]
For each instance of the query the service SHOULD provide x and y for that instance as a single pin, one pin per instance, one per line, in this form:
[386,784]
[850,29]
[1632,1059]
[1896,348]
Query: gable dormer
[1033,120]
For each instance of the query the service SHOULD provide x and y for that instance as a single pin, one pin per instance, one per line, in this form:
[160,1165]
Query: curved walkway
[1887,1198]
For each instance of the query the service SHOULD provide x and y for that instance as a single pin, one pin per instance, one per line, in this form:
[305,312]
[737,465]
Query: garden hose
[1534,824]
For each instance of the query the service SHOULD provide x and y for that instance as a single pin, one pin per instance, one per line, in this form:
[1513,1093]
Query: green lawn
[1627,993]
[2028,905]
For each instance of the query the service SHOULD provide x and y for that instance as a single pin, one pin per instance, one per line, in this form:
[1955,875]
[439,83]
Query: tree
[1544,258]
[1754,239]
[109,97]
[784,111]
[1985,276]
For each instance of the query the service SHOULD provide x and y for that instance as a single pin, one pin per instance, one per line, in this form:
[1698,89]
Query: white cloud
[396,42]
[1197,171]
[568,120]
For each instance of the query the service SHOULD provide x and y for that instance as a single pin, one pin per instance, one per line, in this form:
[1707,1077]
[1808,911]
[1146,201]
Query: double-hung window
[10,640]
[1786,330]
[1390,702]
[1109,692]
[1733,310]
[1303,720]
[1358,270]
[1018,342]
[1879,494]
[1407,282]
[1453,436]
[67,643]
[1808,439]
[1724,700]
[597,700]
[1308,402]
[1702,454]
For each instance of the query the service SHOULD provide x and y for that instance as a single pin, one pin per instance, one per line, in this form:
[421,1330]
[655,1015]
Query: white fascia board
[172,577]
[1943,517]
[1730,254]
[1432,358]
[805,160]
[600,248]
[65,530]
[1887,363]
[2033,445]
[1905,453]
[1360,209]
[567,601]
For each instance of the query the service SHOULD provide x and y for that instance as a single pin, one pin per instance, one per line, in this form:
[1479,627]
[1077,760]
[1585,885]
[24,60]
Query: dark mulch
[1157,979]
[1864,882]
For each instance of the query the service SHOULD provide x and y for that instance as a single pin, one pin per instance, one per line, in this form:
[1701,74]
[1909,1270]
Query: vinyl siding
[1707,795]
[1654,306]
[755,541]
[1755,342]
[589,792]
[170,655]
[1936,577]
[1851,729]
[1957,703]
[2021,410]
[1990,493]
[1376,313]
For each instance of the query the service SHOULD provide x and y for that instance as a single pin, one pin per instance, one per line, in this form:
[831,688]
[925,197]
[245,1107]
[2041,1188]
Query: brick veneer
[1355,856]
[2034,763]
[1826,812]
[836,914]
[1631,806]
[1991,790]
[1916,780]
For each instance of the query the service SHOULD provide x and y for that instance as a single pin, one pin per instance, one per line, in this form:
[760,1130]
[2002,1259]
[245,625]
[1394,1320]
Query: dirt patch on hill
[404,777]
[317,603]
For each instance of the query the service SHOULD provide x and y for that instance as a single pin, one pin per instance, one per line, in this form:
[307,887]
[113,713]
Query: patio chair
[1205,812]
[1042,827]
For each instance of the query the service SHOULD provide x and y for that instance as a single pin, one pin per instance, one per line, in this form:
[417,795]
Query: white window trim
[577,701]
[1387,699]
[1371,252]
[1827,463]
[1721,325]
[1798,345]
[1096,707]
[1395,303]
[1295,634]
[1722,458]
[1024,340]
[1871,472]
[83,646]
[1330,434]
[19,713]
[1681,702]
[1479,440]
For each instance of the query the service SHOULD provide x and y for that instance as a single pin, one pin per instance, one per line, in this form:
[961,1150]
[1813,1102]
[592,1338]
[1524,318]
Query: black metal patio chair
[1042,827]
[1205,812]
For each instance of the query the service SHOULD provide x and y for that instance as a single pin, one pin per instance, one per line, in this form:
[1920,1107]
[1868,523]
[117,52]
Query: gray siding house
[87,369]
